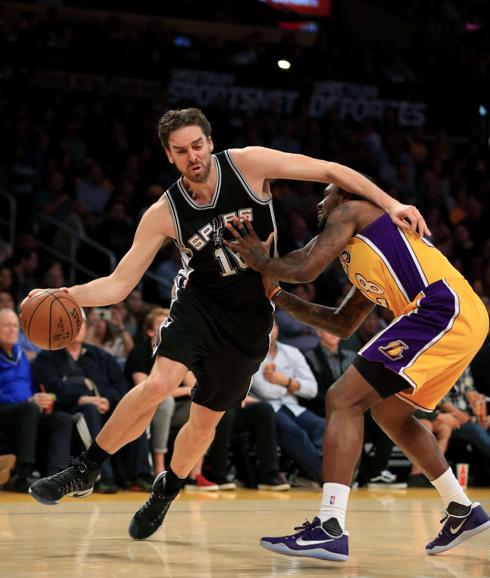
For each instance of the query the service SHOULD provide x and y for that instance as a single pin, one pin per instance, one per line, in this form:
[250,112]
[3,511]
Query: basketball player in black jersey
[219,319]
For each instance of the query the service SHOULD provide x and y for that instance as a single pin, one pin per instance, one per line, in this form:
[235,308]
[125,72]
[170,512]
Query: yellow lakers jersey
[391,267]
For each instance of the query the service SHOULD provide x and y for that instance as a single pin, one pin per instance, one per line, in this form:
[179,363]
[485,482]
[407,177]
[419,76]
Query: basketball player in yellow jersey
[439,325]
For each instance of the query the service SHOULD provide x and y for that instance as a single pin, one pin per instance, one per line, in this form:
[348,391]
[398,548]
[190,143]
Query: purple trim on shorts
[407,337]
[389,241]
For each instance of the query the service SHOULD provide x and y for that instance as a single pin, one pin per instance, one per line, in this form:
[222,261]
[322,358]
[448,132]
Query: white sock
[449,489]
[334,503]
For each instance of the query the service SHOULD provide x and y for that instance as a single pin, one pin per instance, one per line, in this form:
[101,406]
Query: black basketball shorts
[222,347]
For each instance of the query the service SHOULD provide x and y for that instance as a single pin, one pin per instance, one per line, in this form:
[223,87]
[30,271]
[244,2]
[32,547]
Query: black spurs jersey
[207,264]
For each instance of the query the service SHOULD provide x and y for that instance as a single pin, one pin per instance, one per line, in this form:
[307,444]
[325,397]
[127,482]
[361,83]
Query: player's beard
[203,176]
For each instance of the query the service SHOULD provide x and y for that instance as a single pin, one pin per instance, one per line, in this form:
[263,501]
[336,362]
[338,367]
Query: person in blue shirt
[26,414]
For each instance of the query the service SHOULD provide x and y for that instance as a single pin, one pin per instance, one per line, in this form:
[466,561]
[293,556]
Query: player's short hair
[172,120]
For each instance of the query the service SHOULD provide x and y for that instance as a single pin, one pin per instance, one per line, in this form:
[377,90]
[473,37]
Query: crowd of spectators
[92,161]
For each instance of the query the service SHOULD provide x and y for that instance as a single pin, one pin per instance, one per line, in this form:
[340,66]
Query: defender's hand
[408,218]
[252,250]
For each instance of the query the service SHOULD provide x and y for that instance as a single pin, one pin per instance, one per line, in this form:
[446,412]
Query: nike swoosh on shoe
[458,528]
[301,542]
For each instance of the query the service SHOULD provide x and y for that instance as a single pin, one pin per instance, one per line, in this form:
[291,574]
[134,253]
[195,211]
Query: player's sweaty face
[190,151]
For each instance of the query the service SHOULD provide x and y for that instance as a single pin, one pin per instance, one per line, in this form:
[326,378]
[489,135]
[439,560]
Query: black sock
[173,484]
[96,454]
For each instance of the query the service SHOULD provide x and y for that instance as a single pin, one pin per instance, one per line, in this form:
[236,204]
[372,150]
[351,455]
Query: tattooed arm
[341,321]
[303,265]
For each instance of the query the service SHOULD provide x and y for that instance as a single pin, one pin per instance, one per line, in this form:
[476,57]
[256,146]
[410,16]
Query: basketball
[51,319]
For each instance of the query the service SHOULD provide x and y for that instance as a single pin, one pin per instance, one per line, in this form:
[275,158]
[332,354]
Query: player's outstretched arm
[341,321]
[303,265]
[264,163]
[155,227]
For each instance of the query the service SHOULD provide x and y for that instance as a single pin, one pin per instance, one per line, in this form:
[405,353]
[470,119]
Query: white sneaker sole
[46,502]
[313,553]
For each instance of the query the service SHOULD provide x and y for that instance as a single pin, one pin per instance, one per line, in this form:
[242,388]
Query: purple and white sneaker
[460,523]
[314,540]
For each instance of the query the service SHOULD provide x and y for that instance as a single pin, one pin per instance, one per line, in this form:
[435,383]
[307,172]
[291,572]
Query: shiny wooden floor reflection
[217,536]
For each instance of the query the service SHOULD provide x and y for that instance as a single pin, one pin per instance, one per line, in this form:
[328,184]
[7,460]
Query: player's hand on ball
[35,292]
[50,318]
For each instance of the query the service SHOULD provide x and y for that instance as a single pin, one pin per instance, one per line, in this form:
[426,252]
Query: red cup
[462,471]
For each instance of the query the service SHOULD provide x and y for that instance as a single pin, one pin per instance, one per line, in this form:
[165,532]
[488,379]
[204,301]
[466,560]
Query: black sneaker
[78,481]
[276,482]
[150,516]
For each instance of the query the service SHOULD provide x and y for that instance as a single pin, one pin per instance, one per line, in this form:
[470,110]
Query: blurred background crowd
[404,100]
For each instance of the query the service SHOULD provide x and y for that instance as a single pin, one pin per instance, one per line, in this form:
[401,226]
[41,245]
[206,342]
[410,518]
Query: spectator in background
[26,416]
[115,231]
[297,233]
[55,200]
[25,268]
[328,361]
[87,379]
[136,309]
[31,350]
[293,332]
[469,409]
[257,419]
[480,366]
[6,300]
[138,366]
[95,191]
[53,276]
[106,329]
[7,279]
[6,249]
[283,377]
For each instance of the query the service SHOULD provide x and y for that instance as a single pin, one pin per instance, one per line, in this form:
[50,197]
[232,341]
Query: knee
[335,400]
[155,389]
[203,424]
[201,431]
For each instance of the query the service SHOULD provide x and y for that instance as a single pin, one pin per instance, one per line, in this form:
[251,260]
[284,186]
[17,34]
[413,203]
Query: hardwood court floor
[209,536]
